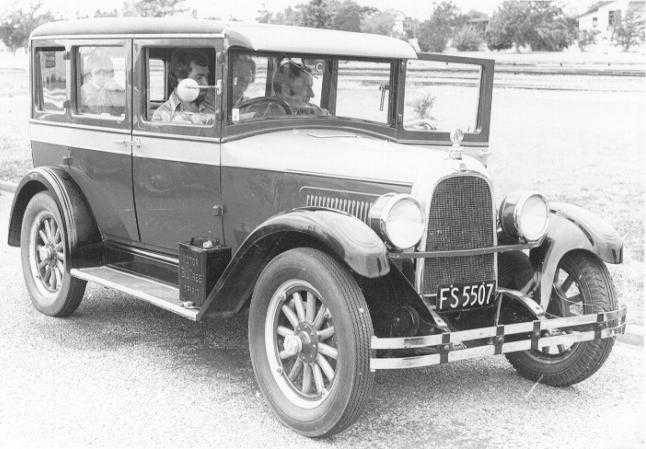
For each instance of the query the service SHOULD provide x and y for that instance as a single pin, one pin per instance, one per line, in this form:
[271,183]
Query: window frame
[35,81]
[141,124]
[480,135]
[237,130]
[97,119]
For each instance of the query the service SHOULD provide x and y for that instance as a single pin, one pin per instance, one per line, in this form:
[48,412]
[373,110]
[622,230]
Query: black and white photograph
[322,224]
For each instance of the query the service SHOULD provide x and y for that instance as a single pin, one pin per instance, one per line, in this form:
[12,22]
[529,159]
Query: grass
[581,147]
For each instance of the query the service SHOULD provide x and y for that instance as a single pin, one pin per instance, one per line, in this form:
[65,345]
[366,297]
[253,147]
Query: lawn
[579,146]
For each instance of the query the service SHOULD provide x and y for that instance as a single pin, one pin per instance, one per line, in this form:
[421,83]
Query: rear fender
[78,221]
[572,228]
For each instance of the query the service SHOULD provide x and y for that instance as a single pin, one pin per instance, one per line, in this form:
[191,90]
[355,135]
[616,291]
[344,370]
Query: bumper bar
[579,328]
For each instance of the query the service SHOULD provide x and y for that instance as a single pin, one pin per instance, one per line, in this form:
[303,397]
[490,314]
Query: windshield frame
[480,135]
[392,130]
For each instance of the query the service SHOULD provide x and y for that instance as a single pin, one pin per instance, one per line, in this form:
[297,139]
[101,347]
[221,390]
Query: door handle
[134,143]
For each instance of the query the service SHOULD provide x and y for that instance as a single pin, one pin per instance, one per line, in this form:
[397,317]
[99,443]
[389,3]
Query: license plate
[465,296]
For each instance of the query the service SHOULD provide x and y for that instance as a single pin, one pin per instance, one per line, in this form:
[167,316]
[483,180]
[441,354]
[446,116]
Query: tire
[326,406]
[43,243]
[562,367]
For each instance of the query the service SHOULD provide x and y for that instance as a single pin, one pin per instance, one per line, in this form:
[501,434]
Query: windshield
[265,87]
[441,93]
[441,96]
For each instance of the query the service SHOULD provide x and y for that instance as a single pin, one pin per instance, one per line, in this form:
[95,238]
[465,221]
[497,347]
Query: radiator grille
[460,217]
[353,203]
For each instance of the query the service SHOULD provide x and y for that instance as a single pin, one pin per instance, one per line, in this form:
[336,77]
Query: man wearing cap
[292,83]
[292,88]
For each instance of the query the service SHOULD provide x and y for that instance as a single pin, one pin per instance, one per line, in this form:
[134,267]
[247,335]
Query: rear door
[176,165]
[92,134]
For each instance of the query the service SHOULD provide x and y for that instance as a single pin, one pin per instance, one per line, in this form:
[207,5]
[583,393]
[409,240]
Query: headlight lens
[398,219]
[524,215]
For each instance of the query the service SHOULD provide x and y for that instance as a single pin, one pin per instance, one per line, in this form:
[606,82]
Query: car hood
[347,155]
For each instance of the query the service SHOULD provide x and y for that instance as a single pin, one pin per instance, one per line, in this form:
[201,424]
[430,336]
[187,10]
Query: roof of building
[254,36]
[595,7]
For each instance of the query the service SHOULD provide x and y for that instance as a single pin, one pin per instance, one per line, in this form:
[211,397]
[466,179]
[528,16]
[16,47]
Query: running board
[158,293]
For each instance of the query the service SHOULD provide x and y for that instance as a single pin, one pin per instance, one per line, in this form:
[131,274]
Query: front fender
[349,238]
[573,228]
[345,236]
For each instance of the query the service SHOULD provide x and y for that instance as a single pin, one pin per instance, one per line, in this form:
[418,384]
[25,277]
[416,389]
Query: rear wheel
[44,257]
[309,339]
[582,285]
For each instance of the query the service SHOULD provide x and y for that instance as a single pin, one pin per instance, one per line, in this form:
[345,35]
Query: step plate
[162,295]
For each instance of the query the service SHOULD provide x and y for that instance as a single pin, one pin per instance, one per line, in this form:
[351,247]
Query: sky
[247,9]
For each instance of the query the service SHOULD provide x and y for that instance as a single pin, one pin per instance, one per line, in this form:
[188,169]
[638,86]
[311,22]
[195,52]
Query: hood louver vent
[353,203]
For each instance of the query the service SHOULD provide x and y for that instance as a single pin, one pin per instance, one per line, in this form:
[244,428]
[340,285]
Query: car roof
[253,36]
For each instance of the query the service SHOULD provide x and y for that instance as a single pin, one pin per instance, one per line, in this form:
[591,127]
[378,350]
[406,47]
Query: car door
[95,143]
[176,165]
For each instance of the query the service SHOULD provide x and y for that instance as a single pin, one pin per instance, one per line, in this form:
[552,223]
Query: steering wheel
[255,105]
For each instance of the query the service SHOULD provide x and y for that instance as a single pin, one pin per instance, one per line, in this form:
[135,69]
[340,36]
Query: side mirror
[187,90]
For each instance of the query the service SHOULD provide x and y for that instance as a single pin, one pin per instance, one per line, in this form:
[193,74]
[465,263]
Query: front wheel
[309,339]
[582,285]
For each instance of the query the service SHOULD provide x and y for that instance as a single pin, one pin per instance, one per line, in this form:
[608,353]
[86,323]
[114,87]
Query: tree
[467,38]
[539,24]
[153,8]
[106,13]
[18,23]
[349,16]
[434,33]
[507,26]
[587,38]
[379,22]
[316,13]
[549,28]
[630,31]
[288,16]
[264,15]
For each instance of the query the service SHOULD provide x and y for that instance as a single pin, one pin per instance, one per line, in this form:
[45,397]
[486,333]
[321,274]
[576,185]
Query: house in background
[605,15]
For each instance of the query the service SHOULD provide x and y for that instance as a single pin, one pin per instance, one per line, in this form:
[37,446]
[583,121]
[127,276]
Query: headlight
[524,215]
[398,219]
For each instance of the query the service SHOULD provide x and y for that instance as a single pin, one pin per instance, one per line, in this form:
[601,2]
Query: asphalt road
[121,373]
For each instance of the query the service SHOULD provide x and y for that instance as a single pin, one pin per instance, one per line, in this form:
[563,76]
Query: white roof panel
[261,37]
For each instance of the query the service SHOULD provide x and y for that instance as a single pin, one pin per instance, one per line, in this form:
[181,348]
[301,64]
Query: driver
[195,65]
[292,86]
[292,83]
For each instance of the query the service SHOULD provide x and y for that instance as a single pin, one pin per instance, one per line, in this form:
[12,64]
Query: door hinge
[218,210]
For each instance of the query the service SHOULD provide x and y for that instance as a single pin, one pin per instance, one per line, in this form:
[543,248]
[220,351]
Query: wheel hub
[292,345]
[50,255]
[308,341]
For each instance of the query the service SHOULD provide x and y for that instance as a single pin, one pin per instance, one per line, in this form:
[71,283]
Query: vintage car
[332,185]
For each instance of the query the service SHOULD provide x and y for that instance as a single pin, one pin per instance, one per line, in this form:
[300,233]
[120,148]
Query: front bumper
[450,346]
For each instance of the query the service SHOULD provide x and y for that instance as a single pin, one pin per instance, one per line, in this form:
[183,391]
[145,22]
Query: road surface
[121,373]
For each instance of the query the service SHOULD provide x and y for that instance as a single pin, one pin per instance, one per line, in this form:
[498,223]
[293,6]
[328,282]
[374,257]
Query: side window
[165,68]
[363,90]
[156,80]
[50,80]
[267,87]
[101,81]
[248,80]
